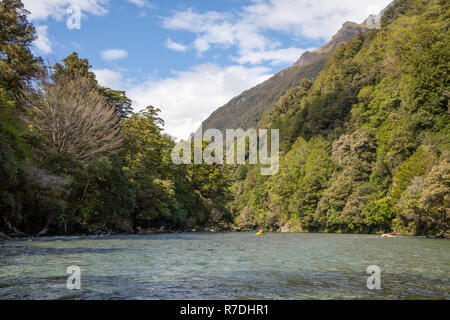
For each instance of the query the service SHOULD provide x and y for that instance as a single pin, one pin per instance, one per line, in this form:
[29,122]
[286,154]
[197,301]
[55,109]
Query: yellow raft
[259,233]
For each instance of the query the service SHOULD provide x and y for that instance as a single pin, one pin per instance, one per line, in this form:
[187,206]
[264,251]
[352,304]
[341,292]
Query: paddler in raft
[260,232]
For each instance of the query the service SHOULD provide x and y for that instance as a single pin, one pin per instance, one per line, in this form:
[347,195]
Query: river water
[225,266]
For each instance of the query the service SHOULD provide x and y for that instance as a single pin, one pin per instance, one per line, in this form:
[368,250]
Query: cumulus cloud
[42,42]
[314,19]
[56,9]
[172,45]
[113,54]
[108,78]
[188,97]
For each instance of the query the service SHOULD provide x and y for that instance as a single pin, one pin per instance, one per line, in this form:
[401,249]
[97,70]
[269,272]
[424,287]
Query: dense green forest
[74,158]
[364,146]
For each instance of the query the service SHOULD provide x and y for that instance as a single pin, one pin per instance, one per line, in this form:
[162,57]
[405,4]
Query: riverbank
[139,231]
[162,230]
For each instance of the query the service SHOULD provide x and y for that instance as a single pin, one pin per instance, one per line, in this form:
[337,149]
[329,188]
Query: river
[225,266]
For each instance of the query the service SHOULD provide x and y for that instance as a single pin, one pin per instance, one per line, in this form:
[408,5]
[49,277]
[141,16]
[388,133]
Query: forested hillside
[364,129]
[365,147]
[75,159]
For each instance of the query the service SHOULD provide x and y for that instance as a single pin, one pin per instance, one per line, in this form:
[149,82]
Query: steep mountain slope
[245,110]
[366,147]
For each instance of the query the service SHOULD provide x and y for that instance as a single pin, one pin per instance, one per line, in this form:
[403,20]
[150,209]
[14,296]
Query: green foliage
[288,103]
[73,66]
[171,195]
[365,148]
[379,215]
[50,191]
[423,207]
[12,175]
[110,192]
[321,108]
[118,100]
[415,166]
[17,64]
[382,103]
[293,193]
[144,157]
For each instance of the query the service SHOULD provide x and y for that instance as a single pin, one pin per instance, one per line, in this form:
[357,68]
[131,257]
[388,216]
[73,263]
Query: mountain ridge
[245,110]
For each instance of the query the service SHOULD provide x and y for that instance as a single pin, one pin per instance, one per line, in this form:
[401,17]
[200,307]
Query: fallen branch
[16,232]
[3,236]
[45,229]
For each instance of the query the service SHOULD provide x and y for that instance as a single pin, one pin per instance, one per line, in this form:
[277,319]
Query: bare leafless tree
[71,117]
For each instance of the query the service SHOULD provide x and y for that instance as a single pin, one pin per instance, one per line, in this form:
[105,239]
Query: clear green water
[225,266]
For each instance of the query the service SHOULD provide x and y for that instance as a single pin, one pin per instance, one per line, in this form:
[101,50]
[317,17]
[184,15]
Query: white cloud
[43,43]
[214,28]
[188,97]
[317,19]
[172,45]
[275,57]
[108,78]
[141,3]
[314,19]
[113,54]
[43,9]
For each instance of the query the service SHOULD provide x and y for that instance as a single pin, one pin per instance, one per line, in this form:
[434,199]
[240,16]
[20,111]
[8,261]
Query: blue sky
[189,57]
